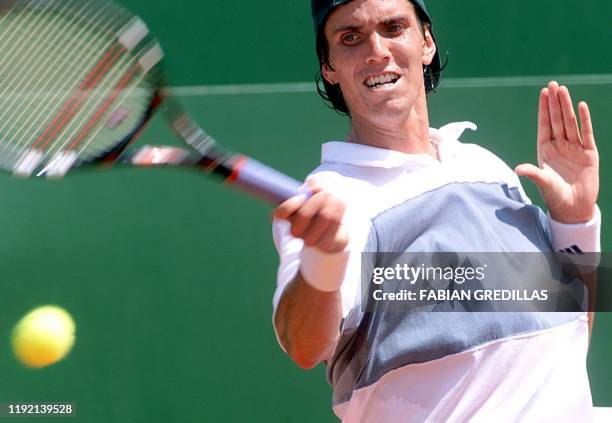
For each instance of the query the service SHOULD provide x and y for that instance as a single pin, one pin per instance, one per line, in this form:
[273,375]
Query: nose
[378,49]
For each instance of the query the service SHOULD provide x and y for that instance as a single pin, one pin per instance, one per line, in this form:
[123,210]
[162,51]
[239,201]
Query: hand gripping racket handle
[264,182]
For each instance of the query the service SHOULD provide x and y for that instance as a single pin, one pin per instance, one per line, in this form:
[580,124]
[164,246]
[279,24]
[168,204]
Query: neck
[404,133]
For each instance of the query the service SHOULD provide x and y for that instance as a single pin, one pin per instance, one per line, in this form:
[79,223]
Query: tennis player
[397,185]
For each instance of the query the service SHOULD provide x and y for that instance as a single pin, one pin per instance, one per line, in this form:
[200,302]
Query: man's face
[376,53]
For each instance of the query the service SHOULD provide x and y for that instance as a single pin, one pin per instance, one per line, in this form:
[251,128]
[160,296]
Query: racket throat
[218,164]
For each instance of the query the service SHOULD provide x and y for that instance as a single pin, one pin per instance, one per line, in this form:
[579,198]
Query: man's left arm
[567,174]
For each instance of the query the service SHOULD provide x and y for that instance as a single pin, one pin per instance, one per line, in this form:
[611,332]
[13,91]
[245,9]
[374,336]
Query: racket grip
[264,182]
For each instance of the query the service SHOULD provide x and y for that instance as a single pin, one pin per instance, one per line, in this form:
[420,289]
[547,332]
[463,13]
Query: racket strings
[63,96]
[39,79]
[121,86]
[122,95]
[125,85]
[24,49]
[25,25]
[100,105]
[14,74]
[80,96]
[44,92]
[77,113]
[128,93]
[21,72]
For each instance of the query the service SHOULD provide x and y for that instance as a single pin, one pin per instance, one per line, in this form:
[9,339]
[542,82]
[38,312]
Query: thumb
[537,175]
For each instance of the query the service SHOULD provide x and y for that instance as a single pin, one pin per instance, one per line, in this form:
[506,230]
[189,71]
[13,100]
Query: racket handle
[264,182]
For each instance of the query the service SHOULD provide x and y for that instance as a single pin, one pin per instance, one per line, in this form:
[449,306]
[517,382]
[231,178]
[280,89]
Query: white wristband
[581,241]
[323,271]
[577,238]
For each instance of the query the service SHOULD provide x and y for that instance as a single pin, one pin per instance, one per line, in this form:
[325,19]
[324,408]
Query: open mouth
[379,81]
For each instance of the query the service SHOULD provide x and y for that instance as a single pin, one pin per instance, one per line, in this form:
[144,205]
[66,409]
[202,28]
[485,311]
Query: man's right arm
[308,322]
[309,312]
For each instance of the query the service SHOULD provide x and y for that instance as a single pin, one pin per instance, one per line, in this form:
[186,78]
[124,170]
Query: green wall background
[170,277]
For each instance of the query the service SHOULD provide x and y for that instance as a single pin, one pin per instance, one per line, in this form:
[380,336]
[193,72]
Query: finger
[319,203]
[569,117]
[326,220]
[586,126]
[334,240]
[311,183]
[315,230]
[544,129]
[534,173]
[554,108]
[301,219]
[286,209]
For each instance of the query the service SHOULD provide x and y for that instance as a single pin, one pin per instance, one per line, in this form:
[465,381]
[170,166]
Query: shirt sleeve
[289,249]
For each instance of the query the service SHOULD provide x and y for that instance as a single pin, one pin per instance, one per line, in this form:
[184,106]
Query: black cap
[321,9]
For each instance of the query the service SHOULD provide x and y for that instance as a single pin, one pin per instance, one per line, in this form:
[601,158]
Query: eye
[395,29]
[350,39]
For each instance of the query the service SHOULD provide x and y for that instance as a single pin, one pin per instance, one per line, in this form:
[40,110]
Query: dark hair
[332,93]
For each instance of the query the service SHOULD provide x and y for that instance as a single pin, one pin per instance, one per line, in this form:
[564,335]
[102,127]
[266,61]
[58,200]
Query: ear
[329,74]
[429,47]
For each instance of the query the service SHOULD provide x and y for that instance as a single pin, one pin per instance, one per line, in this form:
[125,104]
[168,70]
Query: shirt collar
[364,155]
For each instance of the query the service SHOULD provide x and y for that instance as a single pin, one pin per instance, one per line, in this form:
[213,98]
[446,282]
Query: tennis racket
[80,79]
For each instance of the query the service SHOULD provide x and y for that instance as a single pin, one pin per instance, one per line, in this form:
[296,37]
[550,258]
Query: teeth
[381,79]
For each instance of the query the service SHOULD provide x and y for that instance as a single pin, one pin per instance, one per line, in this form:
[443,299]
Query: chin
[391,109]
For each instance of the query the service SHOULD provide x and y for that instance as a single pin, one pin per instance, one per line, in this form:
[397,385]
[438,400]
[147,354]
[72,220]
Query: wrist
[562,218]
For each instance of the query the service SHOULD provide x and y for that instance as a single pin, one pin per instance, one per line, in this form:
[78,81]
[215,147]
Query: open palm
[567,174]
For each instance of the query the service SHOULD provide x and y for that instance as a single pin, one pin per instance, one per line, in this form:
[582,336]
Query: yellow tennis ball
[43,336]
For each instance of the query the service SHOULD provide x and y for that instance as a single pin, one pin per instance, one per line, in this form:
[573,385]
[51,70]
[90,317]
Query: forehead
[364,12]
